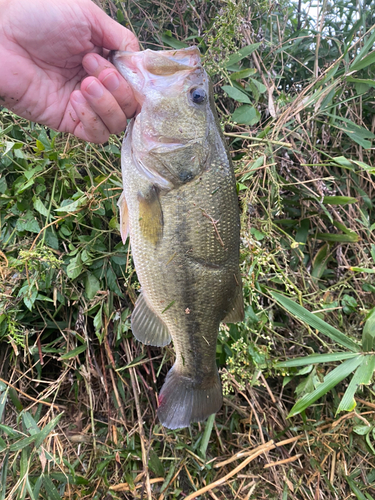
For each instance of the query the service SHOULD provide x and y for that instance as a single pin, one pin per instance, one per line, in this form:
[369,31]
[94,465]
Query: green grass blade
[316,358]
[50,488]
[315,322]
[207,435]
[362,376]
[357,492]
[3,400]
[330,381]
[3,476]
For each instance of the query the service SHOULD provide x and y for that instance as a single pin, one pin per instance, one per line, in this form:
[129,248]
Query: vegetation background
[296,98]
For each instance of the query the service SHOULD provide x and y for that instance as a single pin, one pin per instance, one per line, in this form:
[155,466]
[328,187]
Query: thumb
[109,34]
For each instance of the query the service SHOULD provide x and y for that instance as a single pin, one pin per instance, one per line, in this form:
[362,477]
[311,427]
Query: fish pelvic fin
[124,217]
[236,307]
[183,401]
[147,327]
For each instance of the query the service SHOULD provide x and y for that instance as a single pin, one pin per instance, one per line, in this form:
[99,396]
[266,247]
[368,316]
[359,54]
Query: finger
[103,103]
[107,33]
[112,80]
[89,125]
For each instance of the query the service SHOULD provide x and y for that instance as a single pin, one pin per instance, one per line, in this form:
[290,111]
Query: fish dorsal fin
[236,308]
[151,215]
[147,327]
[124,217]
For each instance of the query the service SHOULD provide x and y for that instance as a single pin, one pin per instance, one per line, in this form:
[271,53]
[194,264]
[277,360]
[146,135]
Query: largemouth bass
[180,207]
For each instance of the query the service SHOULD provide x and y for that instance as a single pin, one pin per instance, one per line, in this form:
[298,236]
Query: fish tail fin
[183,400]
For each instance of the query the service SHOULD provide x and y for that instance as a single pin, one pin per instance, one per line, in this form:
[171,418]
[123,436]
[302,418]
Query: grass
[78,395]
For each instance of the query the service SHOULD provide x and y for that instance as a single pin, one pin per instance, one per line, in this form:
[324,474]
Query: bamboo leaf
[368,334]
[51,490]
[362,376]
[74,352]
[316,358]
[315,322]
[47,430]
[330,381]
[338,238]
[339,200]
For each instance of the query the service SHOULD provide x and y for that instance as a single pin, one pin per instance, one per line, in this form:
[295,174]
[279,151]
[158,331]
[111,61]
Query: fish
[179,206]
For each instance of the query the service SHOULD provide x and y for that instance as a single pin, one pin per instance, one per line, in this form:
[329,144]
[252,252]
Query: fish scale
[180,208]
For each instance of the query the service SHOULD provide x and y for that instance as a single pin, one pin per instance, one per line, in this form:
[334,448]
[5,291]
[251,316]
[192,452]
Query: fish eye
[198,95]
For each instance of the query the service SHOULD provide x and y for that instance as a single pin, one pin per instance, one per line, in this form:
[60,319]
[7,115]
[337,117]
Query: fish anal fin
[182,401]
[124,217]
[147,327]
[151,215]
[236,307]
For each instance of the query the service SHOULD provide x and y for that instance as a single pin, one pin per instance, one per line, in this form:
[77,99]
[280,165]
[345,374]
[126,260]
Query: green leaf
[338,238]
[370,83]
[330,381]
[155,464]
[339,200]
[51,490]
[22,443]
[316,358]
[173,42]
[368,334]
[92,285]
[28,222]
[315,322]
[362,376]
[72,206]
[260,86]
[236,94]
[207,435]
[241,54]
[246,115]
[243,73]
[74,352]
[349,304]
[39,206]
[3,400]
[75,267]
[3,445]
[364,63]
[47,430]
[3,476]
[357,492]
[320,261]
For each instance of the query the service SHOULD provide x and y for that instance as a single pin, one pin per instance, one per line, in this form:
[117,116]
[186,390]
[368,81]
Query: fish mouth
[157,63]
[160,69]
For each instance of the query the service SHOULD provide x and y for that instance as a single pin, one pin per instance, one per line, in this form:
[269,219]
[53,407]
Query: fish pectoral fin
[151,215]
[147,327]
[124,217]
[236,307]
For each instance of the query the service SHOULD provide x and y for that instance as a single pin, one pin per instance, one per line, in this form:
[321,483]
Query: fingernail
[91,64]
[95,89]
[78,97]
[111,82]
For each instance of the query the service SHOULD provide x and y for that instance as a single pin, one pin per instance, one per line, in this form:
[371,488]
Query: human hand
[48,49]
